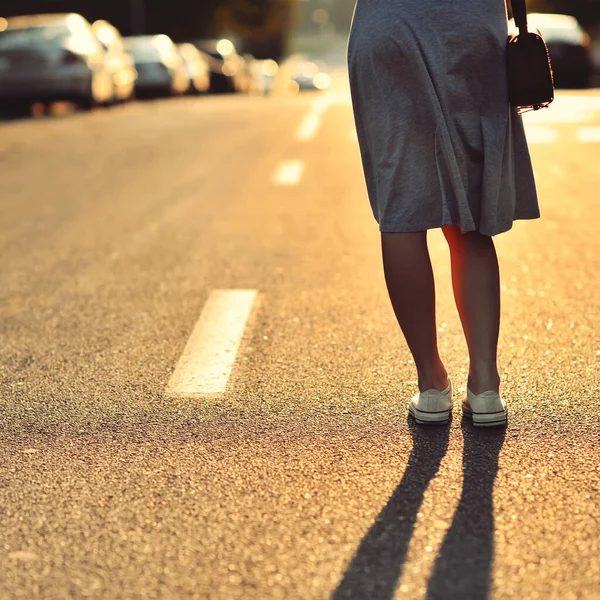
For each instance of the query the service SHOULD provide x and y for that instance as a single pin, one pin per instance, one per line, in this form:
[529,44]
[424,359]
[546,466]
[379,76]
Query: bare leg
[476,283]
[409,279]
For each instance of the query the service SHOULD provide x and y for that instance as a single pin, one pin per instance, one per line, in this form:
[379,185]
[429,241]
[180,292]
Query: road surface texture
[304,479]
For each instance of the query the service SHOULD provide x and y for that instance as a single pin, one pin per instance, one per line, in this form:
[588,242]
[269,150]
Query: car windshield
[557,28]
[210,49]
[570,35]
[188,53]
[142,50]
[27,36]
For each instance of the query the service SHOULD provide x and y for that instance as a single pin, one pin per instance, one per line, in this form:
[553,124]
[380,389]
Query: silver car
[197,66]
[228,74]
[46,58]
[118,61]
[570,49]
[160,68]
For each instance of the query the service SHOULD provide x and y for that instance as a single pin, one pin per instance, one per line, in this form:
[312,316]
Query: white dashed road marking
[584,111]
[311,125]
[588,135]
[288,173]
[541,135]
[208,357]
[309,128]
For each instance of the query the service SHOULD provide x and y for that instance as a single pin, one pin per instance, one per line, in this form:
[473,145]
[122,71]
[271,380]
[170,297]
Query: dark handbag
[530,78]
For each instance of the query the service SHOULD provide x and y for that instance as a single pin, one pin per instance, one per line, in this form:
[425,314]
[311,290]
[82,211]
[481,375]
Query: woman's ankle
[433,379]
[483,382]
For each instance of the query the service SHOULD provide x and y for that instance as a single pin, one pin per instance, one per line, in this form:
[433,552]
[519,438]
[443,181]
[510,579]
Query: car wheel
[127,99]
[16,109]
[86,103]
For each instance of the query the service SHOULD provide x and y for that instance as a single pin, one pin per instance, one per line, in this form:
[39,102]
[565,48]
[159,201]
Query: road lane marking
[288,173]
[588,135]
[309,128]
[208,357]
[311,125]
[567,109]
[540,135]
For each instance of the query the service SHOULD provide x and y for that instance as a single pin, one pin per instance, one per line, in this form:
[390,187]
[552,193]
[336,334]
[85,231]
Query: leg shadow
[376,568]
[463,567]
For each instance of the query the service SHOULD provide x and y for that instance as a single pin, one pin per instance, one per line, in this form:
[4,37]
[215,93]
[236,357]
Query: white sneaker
[432,406]
[486,410]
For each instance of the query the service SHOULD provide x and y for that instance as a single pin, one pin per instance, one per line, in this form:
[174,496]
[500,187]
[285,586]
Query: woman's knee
[399,241]
[457,240]
[452,233]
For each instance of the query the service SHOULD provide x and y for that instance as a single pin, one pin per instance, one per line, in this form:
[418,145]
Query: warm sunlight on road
[234,233]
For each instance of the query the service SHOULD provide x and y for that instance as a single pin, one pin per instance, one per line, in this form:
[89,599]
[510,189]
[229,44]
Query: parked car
[309,75]
[227,70]
[160,68]
[197,66]
[264,74]
[118,62]
[47,58]
[245,72]
[569,47]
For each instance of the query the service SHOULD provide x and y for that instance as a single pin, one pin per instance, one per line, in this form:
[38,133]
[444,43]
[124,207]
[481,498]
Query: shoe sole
[428,418]
[494,419]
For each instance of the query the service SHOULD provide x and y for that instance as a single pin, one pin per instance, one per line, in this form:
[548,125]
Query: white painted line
[567,109]
[309,128]
[587,102]
[540,135]
[589,135]
[288,173]
[322,103]
[208,357]
[558,115]
[312,123]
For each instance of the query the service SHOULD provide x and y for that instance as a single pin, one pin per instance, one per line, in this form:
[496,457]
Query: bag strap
[519,8]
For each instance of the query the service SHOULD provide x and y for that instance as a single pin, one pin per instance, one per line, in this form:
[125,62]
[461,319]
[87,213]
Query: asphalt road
[305,479]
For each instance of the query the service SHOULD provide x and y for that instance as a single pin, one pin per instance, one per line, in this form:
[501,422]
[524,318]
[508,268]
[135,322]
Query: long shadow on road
[463,566]
[376,568]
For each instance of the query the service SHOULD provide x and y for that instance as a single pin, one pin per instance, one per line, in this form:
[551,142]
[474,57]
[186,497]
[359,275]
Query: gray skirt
[439,142]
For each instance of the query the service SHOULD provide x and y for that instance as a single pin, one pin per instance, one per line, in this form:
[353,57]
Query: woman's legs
[476,283]
[409,279]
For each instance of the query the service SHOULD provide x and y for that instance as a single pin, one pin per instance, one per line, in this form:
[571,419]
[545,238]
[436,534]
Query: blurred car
[264,74]
[197,66]
[245,72]
[569,47]
[228,74]
[118,62]
[309,75]
[47,58]
[160,68]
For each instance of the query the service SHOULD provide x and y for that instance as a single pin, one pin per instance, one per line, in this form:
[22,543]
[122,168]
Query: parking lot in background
[55,62]
[203,388]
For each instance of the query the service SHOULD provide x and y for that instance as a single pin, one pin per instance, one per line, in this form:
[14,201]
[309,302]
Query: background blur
[127,227]
[264,27]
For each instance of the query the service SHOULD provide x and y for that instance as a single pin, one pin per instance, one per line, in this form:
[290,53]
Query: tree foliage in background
[180,19]
[262,26]
[586,11]
[254,19]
